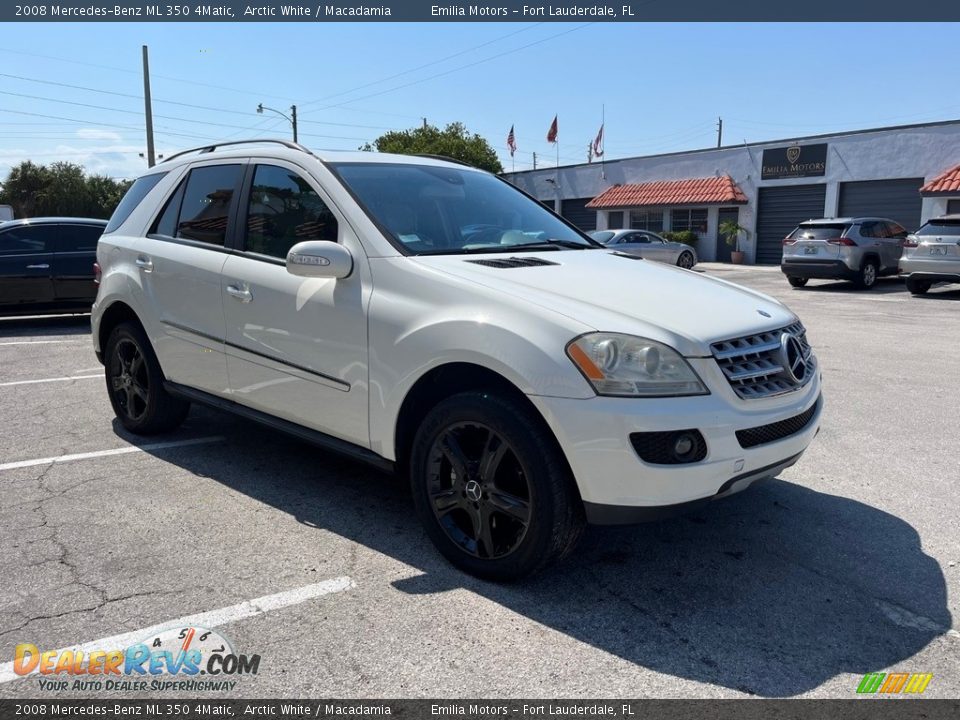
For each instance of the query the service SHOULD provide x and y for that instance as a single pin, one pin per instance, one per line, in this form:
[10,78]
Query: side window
[79,238]
[137,192]
[640,238]
[284,210]
[28,240]
[867,229]
[896,231]
[206,203]
[166,222]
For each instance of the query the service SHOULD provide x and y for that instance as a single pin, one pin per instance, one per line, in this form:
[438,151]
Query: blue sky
[663,85]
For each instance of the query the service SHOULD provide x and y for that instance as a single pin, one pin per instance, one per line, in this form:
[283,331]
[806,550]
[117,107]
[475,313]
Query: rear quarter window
[134,196]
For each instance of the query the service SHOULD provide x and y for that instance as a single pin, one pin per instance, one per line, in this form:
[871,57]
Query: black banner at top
[496,11]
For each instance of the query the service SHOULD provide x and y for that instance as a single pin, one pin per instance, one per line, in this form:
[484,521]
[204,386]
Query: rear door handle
[240,293]
[41,266]
[144,263]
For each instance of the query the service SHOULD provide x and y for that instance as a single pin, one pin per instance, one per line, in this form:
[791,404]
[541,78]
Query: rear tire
[492,487]
[918,287]
[797,281]
[867,276]
[135,384]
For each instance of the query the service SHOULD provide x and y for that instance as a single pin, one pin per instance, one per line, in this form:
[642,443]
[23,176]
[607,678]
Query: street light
[292,118]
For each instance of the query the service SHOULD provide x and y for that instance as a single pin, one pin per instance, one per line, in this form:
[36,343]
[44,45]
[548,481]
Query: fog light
[683,445]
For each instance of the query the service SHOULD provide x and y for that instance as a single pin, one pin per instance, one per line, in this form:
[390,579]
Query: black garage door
[895,199]
[780,210]
[576,212]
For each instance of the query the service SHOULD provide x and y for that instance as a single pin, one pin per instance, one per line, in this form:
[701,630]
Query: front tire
[685,260]
[135,384]
[917,287]
[492,488]
[797,281]
[867,277]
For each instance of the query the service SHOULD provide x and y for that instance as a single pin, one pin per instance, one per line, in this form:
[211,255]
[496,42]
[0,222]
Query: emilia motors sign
[795,161]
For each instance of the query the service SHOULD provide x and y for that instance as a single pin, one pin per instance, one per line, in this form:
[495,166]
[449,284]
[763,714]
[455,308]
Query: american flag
[511,142]
[552,132]
[598,144]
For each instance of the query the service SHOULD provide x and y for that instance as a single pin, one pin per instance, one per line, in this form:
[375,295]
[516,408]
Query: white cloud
[96,134]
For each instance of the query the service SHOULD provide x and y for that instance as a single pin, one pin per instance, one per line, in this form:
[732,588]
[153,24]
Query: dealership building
[907,173]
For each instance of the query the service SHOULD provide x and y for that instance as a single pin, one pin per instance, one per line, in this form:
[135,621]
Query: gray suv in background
[932,254]
[858,249]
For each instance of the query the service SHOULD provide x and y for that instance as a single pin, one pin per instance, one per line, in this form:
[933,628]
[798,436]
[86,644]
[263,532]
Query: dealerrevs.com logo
[190,659]
[894,683]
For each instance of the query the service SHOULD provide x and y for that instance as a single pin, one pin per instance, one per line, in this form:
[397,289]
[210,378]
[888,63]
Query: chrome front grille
[756,365]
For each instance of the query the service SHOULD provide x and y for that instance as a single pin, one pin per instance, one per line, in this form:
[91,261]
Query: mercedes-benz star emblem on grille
[791,357]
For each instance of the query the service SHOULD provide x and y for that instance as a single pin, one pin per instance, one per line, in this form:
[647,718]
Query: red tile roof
[696,191]
[947,182]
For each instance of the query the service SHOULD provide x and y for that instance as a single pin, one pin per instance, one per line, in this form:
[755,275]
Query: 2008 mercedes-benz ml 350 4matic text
[426,316]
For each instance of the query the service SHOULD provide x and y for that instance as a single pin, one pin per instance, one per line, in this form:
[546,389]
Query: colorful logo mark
[894,683]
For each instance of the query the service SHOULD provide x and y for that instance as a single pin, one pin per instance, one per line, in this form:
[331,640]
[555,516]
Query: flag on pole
[511,142]
[598,144]
[552,132]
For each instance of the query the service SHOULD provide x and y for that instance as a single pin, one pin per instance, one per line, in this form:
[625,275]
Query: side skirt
[321,440]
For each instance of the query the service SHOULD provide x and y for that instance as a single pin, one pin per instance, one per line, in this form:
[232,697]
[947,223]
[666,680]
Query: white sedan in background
[647,245]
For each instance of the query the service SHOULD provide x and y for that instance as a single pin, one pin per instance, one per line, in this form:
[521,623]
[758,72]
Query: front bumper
[820,269]
[617,486]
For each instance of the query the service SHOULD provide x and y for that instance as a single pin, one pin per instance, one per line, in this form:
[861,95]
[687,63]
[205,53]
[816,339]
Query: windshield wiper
[552,243]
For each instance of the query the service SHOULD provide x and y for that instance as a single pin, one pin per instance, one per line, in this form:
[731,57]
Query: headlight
[630,366]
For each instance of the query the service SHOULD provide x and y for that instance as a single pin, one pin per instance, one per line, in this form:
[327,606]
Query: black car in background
[46,264]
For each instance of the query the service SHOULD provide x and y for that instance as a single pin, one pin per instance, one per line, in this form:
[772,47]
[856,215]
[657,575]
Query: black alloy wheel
[129,379]
[479,490]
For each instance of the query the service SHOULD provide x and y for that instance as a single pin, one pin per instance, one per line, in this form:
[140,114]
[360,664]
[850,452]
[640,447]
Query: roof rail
[210,148]
[444,158]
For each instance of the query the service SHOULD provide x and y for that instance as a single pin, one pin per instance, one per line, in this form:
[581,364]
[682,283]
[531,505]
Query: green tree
[25,188]
[454,141]
[61,188]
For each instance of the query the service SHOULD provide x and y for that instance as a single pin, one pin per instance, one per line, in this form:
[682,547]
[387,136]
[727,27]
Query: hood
[616,293]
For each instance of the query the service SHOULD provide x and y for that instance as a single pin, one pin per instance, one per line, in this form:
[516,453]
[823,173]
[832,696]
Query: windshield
[603,236]
[940,227]
[433,210]
[818,231]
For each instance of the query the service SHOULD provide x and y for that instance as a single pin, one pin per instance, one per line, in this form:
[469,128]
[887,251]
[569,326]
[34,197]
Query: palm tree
[731,230]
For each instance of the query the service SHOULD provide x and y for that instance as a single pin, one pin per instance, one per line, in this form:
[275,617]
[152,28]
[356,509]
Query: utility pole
[291,118]
[424,123]
[589,152]
[148,109]
[719,131]
[534,161]
[293,121]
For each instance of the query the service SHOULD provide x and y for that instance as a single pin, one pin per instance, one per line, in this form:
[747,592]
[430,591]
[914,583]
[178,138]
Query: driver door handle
[240,293]
[41,266]
[144,263]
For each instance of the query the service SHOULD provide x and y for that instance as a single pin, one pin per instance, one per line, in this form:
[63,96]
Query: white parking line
[50,380]
[42,342]
[211,619]
[107,453]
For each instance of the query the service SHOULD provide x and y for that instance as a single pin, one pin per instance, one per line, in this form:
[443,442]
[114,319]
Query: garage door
[779,211]
[576,212]
[895,199]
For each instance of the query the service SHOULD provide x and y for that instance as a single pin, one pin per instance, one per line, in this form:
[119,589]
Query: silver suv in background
[932,254]
[858,249]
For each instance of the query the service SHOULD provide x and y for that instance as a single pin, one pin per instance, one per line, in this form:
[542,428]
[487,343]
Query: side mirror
[319,259]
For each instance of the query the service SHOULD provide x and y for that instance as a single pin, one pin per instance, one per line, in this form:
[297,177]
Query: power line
[421,67]
[456,69]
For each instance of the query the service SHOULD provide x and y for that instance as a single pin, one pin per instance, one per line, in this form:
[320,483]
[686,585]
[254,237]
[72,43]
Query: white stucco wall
[886,154]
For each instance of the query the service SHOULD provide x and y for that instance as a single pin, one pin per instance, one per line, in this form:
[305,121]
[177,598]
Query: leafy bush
[687,237]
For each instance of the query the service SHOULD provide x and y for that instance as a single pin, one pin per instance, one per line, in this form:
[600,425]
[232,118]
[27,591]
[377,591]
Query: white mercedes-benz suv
[426,316]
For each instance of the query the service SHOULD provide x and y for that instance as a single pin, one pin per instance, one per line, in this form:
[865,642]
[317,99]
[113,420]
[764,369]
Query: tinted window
[820,231]
[636,238]
[166,222]
[870,229]
[615,220]
[446,210]
[206,203]
[79,238]
[603,236]
[137,192]
[940,227]
[28,240]
[896,231]
[284,210]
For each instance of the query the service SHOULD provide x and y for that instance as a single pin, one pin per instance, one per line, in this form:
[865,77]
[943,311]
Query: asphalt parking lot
[848,563]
